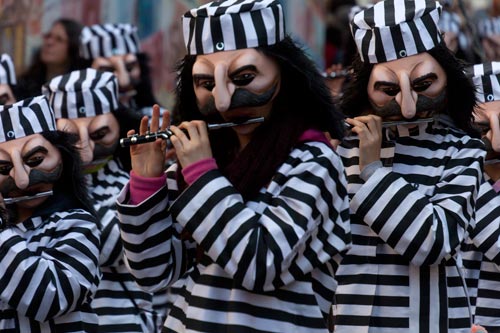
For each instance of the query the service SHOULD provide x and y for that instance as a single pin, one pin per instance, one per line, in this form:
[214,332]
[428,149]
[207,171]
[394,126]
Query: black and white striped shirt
[408,220]
[49,273]
[481,259]
[120,304]
[267,264]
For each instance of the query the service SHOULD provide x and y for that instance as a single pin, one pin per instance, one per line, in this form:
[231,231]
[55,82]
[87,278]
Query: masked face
[237,85]
[408,88]
[98,138]
[127,71]
[28,166]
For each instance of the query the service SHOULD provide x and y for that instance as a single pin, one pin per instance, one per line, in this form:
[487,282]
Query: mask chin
[96,165]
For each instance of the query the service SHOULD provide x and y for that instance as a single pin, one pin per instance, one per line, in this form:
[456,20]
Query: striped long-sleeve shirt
[267,264]
[481,256]
[49,271]
[120,304]
[408,220]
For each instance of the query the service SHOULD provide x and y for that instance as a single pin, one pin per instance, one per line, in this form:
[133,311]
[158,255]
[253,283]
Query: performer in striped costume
[252,222]
[7,79]
[85,102]
[49,244]
[413,186]
[482,253]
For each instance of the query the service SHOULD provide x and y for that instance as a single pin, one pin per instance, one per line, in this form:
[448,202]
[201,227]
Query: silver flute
[138,139]
[8,201]
[386,124]
[337,74]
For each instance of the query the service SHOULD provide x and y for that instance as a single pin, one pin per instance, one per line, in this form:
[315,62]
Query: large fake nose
[85,146]
[223,89]
[20,172]
[407,98]
[122,74]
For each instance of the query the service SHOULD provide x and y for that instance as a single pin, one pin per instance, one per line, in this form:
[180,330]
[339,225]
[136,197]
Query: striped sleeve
[302,223]
[424,229]
[53,279]
[486,233]
[151,243]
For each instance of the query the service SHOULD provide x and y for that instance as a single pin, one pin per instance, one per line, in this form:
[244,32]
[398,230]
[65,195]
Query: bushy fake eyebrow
[378,84]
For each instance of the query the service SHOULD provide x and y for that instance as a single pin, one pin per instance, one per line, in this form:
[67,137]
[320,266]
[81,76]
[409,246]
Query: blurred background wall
[23,22]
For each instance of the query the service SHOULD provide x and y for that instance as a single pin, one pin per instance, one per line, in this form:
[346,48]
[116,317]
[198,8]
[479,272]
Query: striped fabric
[267,264]
[232,25]
[482,260]
[117,292]
[450,22]
[394,29]
[107,40]
[49,272]
[408,220]
[486,78]
[488,27]
[30,116]
[82,93]
[7,70]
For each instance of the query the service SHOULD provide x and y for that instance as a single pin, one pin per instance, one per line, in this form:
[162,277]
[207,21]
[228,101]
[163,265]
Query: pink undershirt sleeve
[194,171]
[141,188]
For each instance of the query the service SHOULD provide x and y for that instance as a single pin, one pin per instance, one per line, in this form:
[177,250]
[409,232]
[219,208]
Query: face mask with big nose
[235,84]
[407,88]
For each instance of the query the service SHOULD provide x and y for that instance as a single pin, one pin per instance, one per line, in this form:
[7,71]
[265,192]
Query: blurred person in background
[8,80]
[115,48]
[59,54]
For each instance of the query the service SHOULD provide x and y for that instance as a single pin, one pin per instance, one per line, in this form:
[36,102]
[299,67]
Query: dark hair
[303,102]
[30,81]
[72,181]
[461,98]
[144,97]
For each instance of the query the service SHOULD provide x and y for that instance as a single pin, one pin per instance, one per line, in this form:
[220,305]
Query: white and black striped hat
[29,116]
[7,70]
[450,22]
[233,25]
[488,27]
[106,40]
[486,79]
[394,29]
[82,93]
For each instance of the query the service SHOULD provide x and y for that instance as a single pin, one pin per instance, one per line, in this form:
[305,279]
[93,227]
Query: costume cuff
[496,186]
[194,171]
[142,188]
[370,169]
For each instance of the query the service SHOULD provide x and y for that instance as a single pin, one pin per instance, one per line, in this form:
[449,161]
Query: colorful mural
[22,23]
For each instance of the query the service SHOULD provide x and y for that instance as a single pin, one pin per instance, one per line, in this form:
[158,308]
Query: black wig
[303,102]
[460,91]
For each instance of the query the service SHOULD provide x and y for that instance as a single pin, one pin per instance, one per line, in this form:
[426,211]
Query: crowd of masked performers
[274,196]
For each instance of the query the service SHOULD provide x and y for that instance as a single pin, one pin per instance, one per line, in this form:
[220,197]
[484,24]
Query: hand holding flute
[148,159]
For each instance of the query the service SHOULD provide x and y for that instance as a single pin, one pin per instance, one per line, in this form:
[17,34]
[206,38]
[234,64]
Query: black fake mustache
[242,98]
[35,177]
[424,105]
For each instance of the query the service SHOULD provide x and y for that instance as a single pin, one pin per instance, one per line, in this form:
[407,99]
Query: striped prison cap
[82,93]
[29,116]
[486,79]
[487,27]
[450,22]
[233,25]
[394,29]
[7,70]
[110,39]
